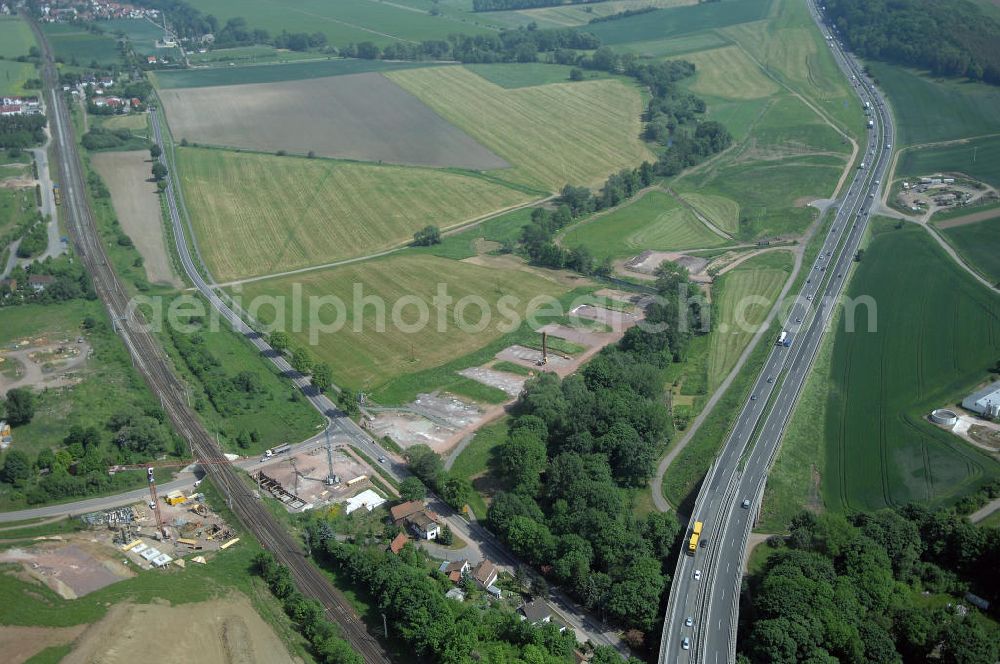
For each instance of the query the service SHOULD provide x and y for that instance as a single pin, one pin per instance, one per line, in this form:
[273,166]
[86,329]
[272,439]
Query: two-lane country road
[730,495]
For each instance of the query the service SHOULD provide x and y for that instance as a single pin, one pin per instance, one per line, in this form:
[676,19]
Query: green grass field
[15,37]
[260,214]
[741,300]
[75,46]
[929,110]
[937,332]
[143,34]
[13,76]
[552,134]
[366,354]
[771,194]
[567,16]
[675,46]
[677,21]
[979,158]
[273,72]
[792,49]
[478,457]
[276,412]
[724,213]
[656,221]
[341,22]
[979,245]
[729,73]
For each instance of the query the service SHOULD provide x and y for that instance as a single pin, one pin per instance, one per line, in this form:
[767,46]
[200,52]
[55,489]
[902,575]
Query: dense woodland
[22,131]
[878,588]
[576,448]
[948,37]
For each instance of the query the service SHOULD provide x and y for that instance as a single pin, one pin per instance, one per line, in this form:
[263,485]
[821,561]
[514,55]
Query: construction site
[309,478]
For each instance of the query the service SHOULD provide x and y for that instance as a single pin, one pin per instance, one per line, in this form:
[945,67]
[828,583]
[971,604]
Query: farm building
[985,402]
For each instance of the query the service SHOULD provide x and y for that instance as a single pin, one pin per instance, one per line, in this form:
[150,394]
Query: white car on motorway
[697,575]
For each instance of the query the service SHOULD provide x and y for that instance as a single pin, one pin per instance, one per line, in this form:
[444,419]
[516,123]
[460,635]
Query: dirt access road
[45,366]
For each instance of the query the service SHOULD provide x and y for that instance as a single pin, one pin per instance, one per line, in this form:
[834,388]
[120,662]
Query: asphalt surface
[740,471]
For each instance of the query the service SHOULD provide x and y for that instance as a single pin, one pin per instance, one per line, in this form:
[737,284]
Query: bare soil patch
[618,321]
[356,116]
[510,383]
[645,264]
[224,631]
[42,367]
[19,644]
[137,206]
[71,569]
[305,473]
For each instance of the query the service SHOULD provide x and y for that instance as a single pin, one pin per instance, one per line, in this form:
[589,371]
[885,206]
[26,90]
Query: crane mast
[154,504]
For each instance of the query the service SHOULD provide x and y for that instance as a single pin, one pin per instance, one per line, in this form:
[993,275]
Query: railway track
[151,362]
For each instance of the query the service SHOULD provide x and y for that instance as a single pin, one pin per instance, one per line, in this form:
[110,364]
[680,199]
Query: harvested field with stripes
[257,214]
[576,133]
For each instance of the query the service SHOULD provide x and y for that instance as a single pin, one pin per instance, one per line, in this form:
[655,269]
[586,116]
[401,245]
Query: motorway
[154,366]
[731,493]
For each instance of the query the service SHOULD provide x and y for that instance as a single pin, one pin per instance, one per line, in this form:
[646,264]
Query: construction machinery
[154,504]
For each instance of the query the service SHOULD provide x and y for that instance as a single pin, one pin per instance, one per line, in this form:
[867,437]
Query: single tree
[302,361]
[322,376]
[412,489]
[20,406]
[16,467]
[159,171]
[155,151]
[427,236]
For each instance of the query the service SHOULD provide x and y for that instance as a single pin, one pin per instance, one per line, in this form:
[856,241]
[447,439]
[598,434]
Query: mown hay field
[743,297]
[656,221]
[257,214]
[556,134]
[729,73]
[359,116]
[936,333]
[372,356]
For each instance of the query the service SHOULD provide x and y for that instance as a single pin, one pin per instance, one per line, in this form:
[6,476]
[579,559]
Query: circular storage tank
[944,417]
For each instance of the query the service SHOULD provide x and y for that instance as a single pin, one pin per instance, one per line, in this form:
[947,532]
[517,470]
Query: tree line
[863,589]
[326,644]
[948,37]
